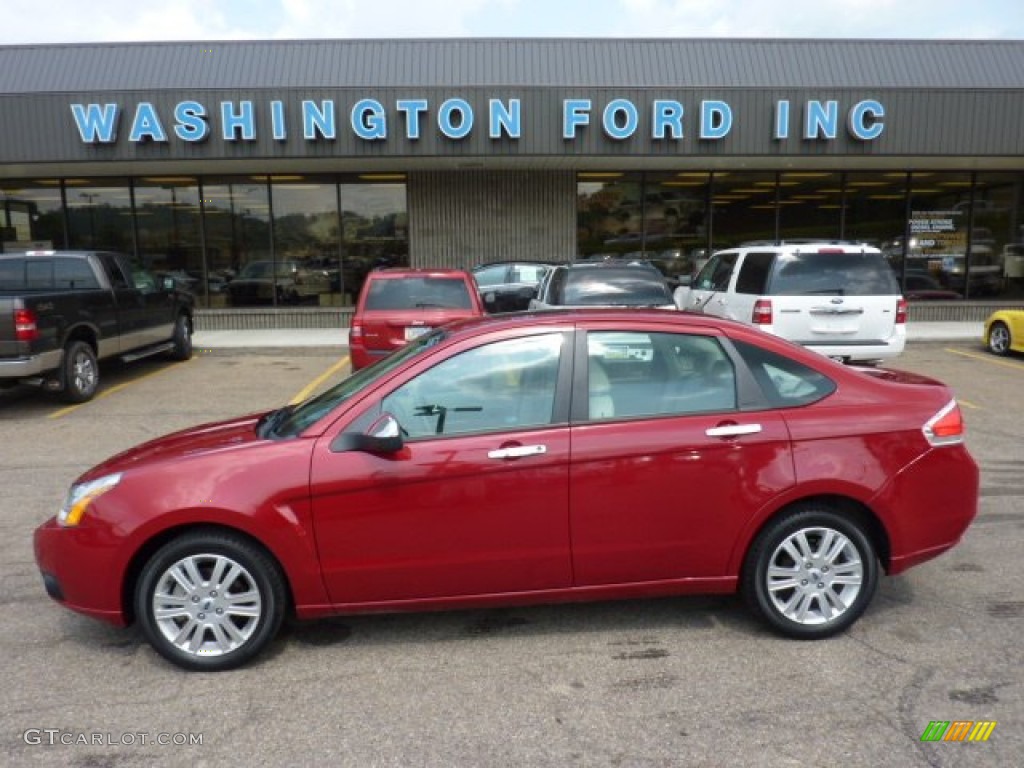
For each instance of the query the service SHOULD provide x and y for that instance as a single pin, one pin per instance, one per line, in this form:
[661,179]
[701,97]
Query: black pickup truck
[62,311]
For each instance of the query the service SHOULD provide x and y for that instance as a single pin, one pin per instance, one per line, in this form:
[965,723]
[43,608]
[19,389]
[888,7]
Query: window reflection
[810,205]
[375,231]
[31,215]
[100,214]
[167,217]
[238,235]
[307,239]
[743,209]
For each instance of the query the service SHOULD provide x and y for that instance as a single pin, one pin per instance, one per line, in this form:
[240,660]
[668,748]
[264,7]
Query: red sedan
[526,458]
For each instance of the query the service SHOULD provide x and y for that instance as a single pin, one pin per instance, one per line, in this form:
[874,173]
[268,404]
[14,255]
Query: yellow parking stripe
[116,388]
[988,359]
[308,389]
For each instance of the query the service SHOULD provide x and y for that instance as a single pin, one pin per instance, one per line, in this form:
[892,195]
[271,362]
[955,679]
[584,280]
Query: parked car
[286,282]
[1004,331]
[603,284]
[841,300]
[922,286]
[531,457]
[508,286]
[398,305]
[63,311]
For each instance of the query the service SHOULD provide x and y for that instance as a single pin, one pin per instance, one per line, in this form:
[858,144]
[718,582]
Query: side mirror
[168,283]
[685,281]
[383,436]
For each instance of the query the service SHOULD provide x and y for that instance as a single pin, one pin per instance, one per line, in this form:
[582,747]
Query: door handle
[517,451]
[733,430]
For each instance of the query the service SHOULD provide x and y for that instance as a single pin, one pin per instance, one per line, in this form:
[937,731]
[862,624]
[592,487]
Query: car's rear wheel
[999,338]
[81,373]
[811,574]
[210,600]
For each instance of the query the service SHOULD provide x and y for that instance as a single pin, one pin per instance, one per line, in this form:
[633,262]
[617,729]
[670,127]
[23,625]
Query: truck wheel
[81,373]
[182,339]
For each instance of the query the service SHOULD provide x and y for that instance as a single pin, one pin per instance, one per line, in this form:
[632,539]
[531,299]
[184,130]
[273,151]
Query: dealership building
[310,163]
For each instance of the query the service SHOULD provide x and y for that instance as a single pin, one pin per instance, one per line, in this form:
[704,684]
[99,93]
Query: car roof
[393,273]
[571,316]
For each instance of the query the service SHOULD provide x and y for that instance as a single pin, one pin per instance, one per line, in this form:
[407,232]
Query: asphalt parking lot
[681,681]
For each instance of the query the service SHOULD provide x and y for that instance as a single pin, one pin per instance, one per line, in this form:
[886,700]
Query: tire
[999,338]
[791,577]
[231,608]
[182,338]
[80,373]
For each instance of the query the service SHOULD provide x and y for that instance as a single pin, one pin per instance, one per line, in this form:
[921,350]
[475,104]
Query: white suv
[838,299]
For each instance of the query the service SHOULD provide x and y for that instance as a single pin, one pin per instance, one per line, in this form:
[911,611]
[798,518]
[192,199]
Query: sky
[77,21]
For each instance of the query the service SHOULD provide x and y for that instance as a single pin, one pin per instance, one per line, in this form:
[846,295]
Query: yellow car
[1004,331]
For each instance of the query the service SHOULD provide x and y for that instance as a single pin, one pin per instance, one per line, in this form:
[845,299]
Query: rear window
[832,274]
[54,274]
[628,286]
[418,293]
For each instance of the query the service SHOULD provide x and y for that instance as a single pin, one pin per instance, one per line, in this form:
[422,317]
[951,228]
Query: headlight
[81,496]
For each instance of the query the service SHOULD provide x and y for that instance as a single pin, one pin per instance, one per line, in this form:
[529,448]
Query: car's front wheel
[210,601]
[182,339]
[811,574]
[999,338]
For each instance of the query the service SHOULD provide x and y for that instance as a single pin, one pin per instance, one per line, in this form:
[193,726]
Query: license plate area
[415,331]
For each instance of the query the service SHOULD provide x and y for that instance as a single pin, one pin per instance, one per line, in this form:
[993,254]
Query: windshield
[310,411]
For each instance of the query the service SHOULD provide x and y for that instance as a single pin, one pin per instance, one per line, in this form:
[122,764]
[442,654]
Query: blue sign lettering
[505,119]
[715,119]
[191,119]
[412,109]
[146,124]
[865,120]
[821,120]
[666,117]
[368,120]
[781,120]
[620,119]
[450,126]
[242,122]
[277,121]
[96,124]
[318,119]
[575,112]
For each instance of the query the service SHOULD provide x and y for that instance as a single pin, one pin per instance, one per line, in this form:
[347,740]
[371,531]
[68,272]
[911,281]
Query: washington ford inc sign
[456,119]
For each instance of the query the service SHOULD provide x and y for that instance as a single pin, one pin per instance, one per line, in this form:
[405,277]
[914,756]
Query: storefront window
[998,226]
[31,215]
[939,239]
[810,205]
[307,238]
[743,209]
[100,214]
[875,211]
[375,229]
[676,220]
[238,251]
[609,214]
[168,229]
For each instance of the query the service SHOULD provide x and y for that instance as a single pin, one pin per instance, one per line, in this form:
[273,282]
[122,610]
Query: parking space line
[987,359]
[306,390]
[117,388]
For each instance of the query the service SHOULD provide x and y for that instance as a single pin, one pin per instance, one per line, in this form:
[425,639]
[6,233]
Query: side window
[716,273]
[555,287]
[753,276]
[507,385]
[74,274]
[786,383]
[657,374]
[491,275]
[113,271]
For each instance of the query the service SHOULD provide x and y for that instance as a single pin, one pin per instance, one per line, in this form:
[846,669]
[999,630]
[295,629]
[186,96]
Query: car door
[709,293]
[475,503]
[150,307]
[666,469]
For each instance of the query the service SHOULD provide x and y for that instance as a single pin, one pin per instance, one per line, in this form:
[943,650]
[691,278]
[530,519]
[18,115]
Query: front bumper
[79,571]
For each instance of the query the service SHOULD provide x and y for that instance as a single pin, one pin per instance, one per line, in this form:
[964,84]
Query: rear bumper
[867,350]
[32,365]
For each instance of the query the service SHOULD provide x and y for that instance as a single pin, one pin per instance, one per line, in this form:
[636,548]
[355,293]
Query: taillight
[25,328]
[355,331]
[762,314]
[901,311]
[946,427]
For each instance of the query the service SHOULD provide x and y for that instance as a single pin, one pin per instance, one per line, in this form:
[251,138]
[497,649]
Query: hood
[206,438]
